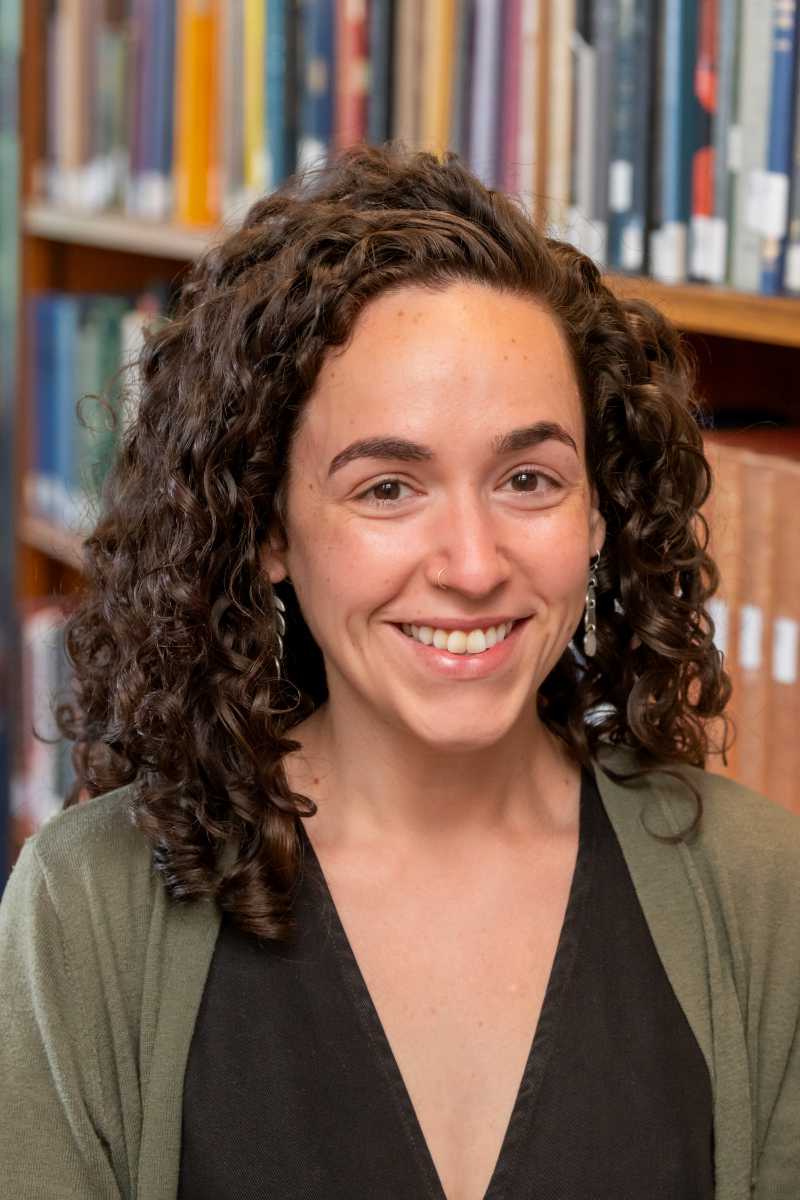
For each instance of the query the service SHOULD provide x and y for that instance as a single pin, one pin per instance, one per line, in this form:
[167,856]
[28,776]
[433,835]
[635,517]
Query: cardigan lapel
[685,920]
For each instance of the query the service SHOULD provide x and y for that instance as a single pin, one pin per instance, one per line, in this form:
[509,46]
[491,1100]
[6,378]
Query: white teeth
[476,642]
[458,641]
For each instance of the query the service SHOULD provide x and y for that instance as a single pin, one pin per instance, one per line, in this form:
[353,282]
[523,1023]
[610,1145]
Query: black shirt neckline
[543,1037]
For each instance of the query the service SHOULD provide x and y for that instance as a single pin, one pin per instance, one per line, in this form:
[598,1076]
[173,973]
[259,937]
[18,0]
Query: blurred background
[661,136]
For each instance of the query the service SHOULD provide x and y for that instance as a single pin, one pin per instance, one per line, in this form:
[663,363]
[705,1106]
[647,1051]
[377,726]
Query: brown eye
[387,489]
[525,481]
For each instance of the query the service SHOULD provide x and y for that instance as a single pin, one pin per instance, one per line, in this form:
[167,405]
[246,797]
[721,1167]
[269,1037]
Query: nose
[469,556]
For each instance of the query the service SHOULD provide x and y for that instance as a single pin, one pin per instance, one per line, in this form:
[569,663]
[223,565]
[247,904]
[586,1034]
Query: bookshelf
[747,345]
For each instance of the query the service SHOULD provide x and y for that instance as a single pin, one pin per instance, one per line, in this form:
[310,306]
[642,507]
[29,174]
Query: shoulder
[85,882]
[94,848]
[746,848]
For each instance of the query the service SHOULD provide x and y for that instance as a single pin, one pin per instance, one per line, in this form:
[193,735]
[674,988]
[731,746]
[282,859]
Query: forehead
[468,361]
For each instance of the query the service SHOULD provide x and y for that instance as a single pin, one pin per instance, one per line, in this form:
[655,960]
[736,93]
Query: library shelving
[747,345]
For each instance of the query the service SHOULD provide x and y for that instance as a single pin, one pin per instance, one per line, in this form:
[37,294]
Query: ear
[597,526]
[273,559]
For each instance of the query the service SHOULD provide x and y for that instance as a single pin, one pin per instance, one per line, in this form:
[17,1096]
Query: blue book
[779,144]
[628,173]
[64,408]
[317,82]
[40,484]
[678,139]
[277,95]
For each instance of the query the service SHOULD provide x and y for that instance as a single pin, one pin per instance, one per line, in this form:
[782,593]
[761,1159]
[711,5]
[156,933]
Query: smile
[460,641]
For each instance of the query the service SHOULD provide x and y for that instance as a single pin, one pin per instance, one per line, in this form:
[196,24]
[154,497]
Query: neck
[375,783]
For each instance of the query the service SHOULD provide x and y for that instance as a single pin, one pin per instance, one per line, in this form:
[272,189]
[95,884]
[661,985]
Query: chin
[450,736]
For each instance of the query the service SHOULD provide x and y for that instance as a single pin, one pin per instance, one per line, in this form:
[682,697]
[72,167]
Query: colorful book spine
[791,275]
[280,118]
[754,86]
[315,135]
[678,118]
[774,209]
[705,90]
[197,200]
[727,155]
[485,100]
[528,152]
[604,36]
[628,168]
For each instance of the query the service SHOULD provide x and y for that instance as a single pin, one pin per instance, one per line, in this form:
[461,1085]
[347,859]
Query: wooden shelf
[60,544]
[115,231]
[701,308]
[695,307]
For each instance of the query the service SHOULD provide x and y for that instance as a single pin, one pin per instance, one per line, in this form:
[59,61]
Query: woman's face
[447,437]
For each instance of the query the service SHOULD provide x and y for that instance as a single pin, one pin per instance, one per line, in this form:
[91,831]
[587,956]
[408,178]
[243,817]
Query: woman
[403,875]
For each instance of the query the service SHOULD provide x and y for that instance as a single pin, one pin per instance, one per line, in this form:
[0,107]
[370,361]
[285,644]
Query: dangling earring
[589,626]
[280,630]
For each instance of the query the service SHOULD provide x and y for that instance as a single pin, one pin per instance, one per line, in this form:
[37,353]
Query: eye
[529,482]
[384,492]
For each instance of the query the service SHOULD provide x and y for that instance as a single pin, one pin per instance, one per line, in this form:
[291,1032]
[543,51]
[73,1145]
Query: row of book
[755,539]
[44,772]
[82,384]
[659,135]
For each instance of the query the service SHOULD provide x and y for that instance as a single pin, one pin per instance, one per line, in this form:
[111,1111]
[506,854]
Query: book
[750,140]
[678,119]
[773,185]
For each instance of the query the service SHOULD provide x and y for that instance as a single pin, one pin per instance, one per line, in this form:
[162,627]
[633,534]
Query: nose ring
[439,583]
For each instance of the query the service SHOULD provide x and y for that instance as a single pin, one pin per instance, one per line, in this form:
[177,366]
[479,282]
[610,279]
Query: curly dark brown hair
[174,641]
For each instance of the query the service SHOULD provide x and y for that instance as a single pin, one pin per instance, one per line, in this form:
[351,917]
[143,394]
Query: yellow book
[437,74]
[255,32]
[196,167]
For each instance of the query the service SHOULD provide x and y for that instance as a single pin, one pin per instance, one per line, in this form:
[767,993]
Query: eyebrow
[406,451]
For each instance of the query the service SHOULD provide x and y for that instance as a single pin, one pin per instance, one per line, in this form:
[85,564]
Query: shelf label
[718,611]
[785,647]
[620,186]
[767,203]
[751,630]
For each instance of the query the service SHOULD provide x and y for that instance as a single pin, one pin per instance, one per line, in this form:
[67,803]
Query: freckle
[315,779]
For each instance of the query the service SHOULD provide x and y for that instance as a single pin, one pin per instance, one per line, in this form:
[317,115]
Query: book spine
[559,156]
[774,210]
[279,148]
[510,84]
[528,117]
[705,91]
[317,107]
[604,35]
[255,166]
[196,172]
[754,84]
[726,153]
[669,243]
[791,276]
[485,108]
[379,99]
[622,150]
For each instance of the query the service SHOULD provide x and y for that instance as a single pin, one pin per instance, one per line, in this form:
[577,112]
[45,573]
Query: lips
[460,641]
[467,667]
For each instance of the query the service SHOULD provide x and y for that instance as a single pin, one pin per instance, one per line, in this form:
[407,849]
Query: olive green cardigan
[101,978]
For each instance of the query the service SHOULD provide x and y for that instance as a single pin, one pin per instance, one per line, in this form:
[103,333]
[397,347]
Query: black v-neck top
[292,1091]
